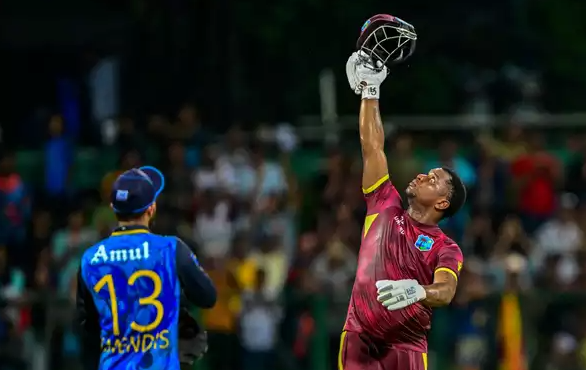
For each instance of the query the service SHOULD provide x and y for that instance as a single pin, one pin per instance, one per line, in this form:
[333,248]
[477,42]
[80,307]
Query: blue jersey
[134,283]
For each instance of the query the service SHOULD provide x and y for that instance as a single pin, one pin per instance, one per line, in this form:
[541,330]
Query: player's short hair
[457,196]
[129,217]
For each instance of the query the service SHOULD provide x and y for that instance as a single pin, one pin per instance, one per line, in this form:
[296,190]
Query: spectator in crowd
[69,244]
[259,323]
[271,218]
[39,239]
[561,236]
[448,156]
[334,270]
[243,265]
[547,277]
[58,163]
[128,137]
[189,130]
[575,179]
[510,147]
[156,132]
[260,178]
[16,209]
[214,174]
[565,353]
[272,259]
[188,126]
[177,180]
[213,228]
[331,180]
[469,318]
[11,291]
[232,155]
[490,192]
[221,321]
[479,239]
[579,283]
[405,165]
[512,238]
[535,181]
[103,219]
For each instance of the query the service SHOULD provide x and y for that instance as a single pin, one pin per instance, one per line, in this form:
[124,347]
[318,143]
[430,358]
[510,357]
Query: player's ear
[152,209]
[442,204]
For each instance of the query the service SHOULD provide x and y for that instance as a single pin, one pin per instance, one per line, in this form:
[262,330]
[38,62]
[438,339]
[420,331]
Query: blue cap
[136,190]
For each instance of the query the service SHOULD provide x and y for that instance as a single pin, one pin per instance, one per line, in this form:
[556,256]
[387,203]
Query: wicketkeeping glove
[193,341]
[397,294]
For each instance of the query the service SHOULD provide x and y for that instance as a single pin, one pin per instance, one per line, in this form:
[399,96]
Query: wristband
[371,92]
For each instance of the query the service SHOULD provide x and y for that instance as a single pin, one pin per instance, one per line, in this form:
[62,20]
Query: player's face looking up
[431,190]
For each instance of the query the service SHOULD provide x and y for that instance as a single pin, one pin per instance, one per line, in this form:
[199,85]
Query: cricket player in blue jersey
[132,286]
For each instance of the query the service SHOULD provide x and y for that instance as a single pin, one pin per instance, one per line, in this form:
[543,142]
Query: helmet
[386,39]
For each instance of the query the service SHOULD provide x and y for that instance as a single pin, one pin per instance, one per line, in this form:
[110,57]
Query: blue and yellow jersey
[129,292]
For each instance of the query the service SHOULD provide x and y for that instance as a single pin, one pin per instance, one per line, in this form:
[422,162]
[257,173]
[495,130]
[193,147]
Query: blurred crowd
[278,247]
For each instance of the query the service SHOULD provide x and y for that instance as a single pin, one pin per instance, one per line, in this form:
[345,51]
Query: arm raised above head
[365,80]
[372,142]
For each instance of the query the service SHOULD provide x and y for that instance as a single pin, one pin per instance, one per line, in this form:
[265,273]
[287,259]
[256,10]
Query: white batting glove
[363,78]
[351,73]
[397,294]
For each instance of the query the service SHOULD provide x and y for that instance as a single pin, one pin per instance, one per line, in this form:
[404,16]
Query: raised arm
[372,142]
[365,80]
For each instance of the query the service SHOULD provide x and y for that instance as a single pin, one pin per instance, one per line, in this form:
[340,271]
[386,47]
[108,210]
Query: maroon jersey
[395,247]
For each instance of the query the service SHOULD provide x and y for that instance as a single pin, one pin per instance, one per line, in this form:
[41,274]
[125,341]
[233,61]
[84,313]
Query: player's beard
[410,193]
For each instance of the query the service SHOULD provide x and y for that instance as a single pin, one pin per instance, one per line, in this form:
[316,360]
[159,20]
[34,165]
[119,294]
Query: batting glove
[397,294]
[363,78]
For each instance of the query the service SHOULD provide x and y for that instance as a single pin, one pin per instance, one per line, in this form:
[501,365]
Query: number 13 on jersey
[151,300]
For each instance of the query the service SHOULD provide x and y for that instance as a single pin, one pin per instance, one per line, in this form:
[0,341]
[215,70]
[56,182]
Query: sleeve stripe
[376,184]
[447,270]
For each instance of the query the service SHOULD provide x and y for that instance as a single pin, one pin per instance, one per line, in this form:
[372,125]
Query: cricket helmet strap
[387,39]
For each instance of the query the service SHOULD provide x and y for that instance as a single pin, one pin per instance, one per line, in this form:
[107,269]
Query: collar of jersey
[128,230]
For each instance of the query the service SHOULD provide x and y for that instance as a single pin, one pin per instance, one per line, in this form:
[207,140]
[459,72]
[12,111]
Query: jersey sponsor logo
[120,255]
[400,222]
[424,243]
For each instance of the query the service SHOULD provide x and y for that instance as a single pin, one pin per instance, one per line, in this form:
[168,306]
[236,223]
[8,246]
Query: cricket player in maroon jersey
[406,265]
